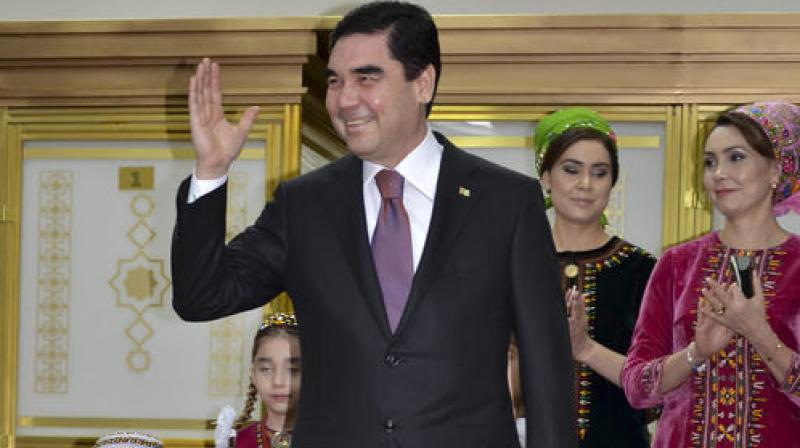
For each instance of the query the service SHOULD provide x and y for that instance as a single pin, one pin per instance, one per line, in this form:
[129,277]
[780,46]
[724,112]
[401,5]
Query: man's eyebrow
[368,70]
[329,73]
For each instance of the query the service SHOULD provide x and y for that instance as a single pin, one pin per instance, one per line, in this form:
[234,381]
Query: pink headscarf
[781,123]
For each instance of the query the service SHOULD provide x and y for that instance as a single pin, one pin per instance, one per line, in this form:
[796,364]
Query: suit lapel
[345,201]
[455,198]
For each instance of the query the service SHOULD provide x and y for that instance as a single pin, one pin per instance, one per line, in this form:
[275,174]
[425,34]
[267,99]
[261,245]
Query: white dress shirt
[420,169]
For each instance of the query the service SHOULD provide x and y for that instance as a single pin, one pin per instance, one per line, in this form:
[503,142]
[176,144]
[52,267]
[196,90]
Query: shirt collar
[420,167]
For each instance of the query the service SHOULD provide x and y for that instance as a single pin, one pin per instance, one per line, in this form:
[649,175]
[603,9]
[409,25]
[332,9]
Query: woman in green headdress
[603,276]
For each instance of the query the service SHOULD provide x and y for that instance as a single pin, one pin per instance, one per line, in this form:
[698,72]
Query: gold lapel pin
[463,191]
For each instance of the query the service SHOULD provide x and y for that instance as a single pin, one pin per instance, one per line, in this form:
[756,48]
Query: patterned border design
[53,282]
[140,282]
[584,373]
[736,377]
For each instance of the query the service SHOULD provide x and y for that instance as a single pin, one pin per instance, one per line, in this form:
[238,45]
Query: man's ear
[423,85]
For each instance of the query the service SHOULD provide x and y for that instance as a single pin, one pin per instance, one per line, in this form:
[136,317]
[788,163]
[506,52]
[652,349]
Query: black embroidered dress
[613,278]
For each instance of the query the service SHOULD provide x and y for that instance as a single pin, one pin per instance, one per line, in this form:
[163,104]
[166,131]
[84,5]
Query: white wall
[131,9]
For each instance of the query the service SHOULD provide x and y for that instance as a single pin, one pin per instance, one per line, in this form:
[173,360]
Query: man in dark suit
[409,262]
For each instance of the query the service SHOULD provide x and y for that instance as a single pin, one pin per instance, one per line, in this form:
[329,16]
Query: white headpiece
[128,439]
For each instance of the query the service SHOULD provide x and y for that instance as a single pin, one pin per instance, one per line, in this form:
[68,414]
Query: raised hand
[711,335]
[578,324]
[217,142]
[736,312]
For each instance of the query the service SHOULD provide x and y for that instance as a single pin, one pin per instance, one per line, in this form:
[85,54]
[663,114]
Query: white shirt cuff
[200,187]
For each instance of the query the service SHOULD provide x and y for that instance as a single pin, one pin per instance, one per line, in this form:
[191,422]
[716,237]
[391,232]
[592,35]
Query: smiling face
[379,114]
[276,373]
[737,179]
[580,182]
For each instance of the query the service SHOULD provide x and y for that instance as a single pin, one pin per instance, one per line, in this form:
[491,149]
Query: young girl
[275,379]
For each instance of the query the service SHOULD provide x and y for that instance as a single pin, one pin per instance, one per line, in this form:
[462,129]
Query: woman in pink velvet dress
[725,367]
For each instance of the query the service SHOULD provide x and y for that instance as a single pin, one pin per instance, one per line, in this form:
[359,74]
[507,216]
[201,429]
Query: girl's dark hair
[249,405]
[569,137]
[751,131]
[265,332]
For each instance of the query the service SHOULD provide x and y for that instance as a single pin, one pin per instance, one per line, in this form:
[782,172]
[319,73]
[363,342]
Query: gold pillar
[10,171]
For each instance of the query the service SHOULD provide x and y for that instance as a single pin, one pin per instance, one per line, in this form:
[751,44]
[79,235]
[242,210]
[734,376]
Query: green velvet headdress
[562,120]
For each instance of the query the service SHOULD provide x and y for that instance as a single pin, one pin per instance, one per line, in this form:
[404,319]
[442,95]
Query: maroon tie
[391,246]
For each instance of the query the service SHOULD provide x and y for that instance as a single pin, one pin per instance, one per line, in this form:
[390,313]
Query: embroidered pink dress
[735,401]
[246,437]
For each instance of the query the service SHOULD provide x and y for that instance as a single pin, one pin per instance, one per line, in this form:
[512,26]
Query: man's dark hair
[411,35]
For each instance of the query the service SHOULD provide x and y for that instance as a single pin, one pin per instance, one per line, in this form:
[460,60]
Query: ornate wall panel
[53,256]
[99,347]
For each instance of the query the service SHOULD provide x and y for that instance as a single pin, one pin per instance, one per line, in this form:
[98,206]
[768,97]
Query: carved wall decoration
[140,282]
[53,291]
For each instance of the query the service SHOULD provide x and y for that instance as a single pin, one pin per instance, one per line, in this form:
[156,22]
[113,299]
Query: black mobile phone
[743,272]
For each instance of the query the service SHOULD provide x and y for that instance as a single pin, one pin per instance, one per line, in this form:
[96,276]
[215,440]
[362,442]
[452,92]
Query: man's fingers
[216,88]
[205,87]
[246,122]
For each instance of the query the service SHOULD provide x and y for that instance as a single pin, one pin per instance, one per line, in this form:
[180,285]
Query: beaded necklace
[277,439]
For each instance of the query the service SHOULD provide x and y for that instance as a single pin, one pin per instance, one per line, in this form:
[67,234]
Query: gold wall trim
[645,59]
[491,141]
[622,21]
[149,62]
[533,112]
[498,141]
[55,153]
[119,423]
[80,27]
[671,198]
[687,213]
[614,59]
[290,160]
[10,193]
[639,141]
[274,159]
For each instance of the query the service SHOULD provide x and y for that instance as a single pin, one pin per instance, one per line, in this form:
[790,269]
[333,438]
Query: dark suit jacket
[488,268]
